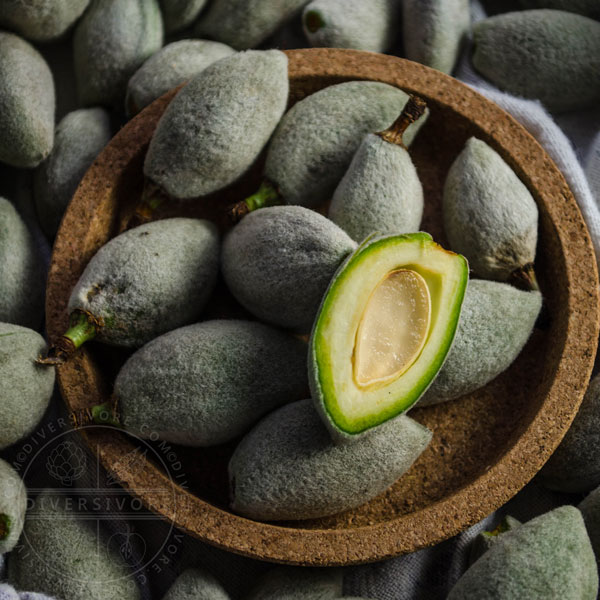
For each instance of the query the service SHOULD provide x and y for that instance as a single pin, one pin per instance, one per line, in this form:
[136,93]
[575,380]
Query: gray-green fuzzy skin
[372,26]
[216,127]
[22,274]
[244,24]
[495,323]
[62,556]
[380,192]
[575,464]
[287,467]
[590,511]
[558,54]
[169,67]
[27,103]
[25,386]
[278,262]
[79,138]
[13,504]
[486,539]
[220,377]
[41,20]
[179,14]
[14,595]
[489,215]
[149,280]
[434,31]
[298,583]
[111,42]
[548,557]
[588,8]
[314,144]
[196,584]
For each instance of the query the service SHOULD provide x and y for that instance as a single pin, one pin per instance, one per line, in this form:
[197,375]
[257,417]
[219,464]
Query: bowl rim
[467,505]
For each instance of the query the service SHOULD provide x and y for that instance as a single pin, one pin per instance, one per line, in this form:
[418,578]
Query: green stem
[82,329]
[524,278]
[501,528]
[412,112]
[314,21]
[5,523]
[105,414]
[154,201]
[267,195]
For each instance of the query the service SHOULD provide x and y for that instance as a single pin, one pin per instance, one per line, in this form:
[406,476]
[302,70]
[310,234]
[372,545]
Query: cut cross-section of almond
[383,330]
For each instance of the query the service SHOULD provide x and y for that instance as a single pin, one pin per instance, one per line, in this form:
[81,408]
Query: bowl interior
[486,445]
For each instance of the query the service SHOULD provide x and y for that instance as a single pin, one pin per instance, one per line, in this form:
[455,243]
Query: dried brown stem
[412,112]
[59,353]
[524,278]
[237,212]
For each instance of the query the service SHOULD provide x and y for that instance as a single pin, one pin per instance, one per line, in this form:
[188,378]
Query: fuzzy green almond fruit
[207,383]
[316,139]
[371,26]
[287,467]
[381,190]
[587,8]
[62,554]
[196,584]
[13,504]
[25,387]
[22,273]
[41,20]
[383,331]
[548,557]
[556,53]
[142,283]
[590,511]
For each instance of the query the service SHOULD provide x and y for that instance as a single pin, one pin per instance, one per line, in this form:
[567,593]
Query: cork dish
[486,446]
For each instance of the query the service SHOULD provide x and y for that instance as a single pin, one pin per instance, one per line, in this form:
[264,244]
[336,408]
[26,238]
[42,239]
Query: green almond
[383,330]
[278,262]
[287,467]
[146,281]
[556,53]
[25,387]
[549,556]
[28,101]
[13,504]
[62,555]
[371,26]
[220,378]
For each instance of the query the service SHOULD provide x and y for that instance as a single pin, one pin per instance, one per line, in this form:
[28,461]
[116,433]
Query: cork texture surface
[486,446]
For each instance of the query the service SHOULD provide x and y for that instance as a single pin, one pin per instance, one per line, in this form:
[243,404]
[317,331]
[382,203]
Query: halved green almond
[383,330]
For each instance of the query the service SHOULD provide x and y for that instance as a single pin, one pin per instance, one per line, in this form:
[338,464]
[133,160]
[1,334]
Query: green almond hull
[61,555]
[13,503]
[323,365]
[547,557]
[195,584]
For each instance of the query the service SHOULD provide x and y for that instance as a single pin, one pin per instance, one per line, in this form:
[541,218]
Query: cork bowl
[486,446]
